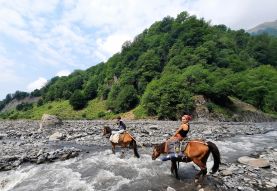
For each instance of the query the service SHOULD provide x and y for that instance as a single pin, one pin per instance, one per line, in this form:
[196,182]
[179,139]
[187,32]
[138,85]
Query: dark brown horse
[125,139]
[197,151]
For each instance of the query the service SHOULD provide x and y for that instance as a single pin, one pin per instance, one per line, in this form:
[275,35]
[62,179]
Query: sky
[42,39]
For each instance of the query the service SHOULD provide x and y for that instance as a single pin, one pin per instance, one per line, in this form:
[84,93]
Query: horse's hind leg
[203,170]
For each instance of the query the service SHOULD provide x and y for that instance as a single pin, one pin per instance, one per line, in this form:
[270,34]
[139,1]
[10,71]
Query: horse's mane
[108,129]
[160,147]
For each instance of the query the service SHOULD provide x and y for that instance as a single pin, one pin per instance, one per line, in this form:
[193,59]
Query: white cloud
[236,14]
[9,17]
[31,8]
[63,73]
[111,44]
[37,84]
[115,22]
[7,68]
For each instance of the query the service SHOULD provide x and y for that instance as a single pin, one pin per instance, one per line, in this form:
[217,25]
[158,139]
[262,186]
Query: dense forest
[165,66]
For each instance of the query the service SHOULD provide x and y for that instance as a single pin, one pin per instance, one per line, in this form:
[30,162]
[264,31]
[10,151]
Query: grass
[140,113]
[95,109]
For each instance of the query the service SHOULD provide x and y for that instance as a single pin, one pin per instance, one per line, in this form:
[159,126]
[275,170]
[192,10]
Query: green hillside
[161,70]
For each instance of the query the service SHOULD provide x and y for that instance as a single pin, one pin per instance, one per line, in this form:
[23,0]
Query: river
[101,170]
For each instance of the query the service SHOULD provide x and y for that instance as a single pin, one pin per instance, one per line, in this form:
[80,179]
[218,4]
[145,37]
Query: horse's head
[107,131]
[158,149]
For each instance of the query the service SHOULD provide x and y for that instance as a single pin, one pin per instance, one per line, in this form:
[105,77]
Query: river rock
[274,180]
[261,163]
[170,189]
[56,136]
[227,172]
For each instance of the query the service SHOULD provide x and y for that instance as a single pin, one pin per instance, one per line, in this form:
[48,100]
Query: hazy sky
[40,39]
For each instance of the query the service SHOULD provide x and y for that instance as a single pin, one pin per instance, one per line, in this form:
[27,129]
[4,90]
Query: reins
[136,141]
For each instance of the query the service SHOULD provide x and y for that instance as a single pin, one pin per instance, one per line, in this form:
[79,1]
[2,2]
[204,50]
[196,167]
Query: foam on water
[9,179]
[54,177]
[107,180]
[272,133]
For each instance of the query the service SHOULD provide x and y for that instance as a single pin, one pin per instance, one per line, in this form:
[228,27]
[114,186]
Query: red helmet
[187,117]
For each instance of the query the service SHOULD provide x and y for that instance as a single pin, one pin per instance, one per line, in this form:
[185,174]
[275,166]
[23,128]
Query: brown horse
[125,139]
[197,151]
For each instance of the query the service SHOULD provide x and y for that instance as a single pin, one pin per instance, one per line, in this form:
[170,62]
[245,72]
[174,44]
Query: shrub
[77,100]
[101,114]
[24,106]
[40,102]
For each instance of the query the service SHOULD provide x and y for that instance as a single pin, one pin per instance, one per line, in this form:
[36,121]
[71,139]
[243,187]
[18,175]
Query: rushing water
[101,170]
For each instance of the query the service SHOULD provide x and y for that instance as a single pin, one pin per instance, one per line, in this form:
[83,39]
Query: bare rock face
[49,121]
[201,110]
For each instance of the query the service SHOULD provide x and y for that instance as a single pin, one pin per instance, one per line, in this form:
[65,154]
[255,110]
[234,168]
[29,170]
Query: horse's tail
[216,156]
[134,143]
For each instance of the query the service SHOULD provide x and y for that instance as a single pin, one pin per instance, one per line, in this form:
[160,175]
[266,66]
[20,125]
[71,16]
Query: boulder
[261,163]
[49,121]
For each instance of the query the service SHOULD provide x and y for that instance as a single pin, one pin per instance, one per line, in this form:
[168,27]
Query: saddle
[176,149]
[177,146]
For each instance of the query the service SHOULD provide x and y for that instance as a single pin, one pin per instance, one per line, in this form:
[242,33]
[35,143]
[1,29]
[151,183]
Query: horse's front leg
[174,169]
[113,148]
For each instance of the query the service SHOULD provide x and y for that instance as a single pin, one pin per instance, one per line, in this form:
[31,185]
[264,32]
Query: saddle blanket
[114,138]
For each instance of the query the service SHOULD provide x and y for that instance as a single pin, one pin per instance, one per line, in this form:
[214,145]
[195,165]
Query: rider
[181,133]
[121,126]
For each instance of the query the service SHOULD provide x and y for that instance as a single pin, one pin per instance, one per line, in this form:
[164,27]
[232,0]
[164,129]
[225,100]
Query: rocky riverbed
[23,142]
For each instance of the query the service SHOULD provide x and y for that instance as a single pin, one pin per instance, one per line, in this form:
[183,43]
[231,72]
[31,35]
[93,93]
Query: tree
[113,94]
[90,90]
[77,100]
[19,95]
[36,93]
[127,99]
[149,65]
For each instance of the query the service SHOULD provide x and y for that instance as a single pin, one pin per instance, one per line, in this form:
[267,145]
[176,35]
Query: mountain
[162,73]
[267,27]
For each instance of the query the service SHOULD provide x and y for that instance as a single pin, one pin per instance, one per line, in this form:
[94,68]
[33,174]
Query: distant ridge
[267,27]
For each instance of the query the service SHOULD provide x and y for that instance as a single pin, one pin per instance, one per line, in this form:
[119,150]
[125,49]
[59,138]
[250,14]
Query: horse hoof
[196,181]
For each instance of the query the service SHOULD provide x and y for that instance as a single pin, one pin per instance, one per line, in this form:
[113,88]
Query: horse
[197,151]
[125,139]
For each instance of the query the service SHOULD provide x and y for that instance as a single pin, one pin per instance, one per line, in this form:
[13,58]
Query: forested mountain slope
[166,66]
[267,27]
